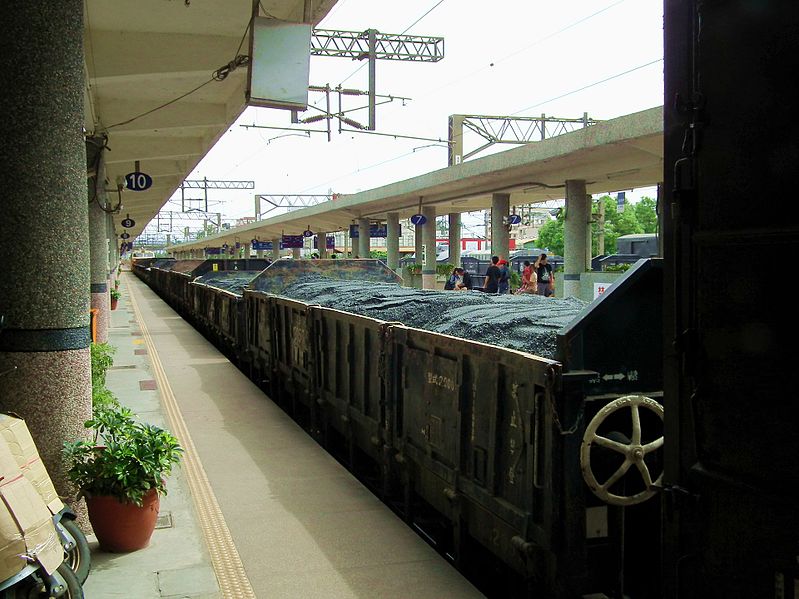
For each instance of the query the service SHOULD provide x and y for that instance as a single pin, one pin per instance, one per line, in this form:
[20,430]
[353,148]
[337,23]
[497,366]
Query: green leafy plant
[125,459]
[414,269]
[102,355]
[102,358]
[515,280]
[115,294]
[444,269]
[617,267]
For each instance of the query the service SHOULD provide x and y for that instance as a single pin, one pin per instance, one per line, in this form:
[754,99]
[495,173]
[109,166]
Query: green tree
[617,223]
[551,235]
[646,212]
[634,219]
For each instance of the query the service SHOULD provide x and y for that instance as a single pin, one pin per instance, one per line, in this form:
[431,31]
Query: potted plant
[122,473]
[115,295]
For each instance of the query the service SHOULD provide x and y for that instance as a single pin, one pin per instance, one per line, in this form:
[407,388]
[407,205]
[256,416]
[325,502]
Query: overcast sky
[502,57]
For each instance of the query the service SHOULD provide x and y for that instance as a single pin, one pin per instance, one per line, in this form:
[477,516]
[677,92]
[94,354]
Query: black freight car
[731,519]
[483,448]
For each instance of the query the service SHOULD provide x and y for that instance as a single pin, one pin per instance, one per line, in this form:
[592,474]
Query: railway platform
[257,508]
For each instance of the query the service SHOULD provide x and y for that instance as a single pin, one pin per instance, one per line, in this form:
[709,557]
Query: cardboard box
[26,523]
[24,517]
[19,441]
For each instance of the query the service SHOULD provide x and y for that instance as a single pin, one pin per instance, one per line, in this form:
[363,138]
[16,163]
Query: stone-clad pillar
[429,254]
[101,252]
[44,229]
[321,243]
[575,237]
[276,249]
[417,243]
[392,240]
[500,236]
[455,239]
[364,241]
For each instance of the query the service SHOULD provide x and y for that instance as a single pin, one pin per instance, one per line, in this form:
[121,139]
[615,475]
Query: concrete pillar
[259,254]
[276,248]
[44,229]
[347,239]
[247,249]
[295,253]
[429,251]
[500,236]
[101,272]
[364,241]
[392,240]
[417,241]
[577,229]
[455,239]
[321,243]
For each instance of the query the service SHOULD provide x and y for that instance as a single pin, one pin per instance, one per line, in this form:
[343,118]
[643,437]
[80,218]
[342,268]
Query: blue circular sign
[514,219]
[125,236]
[418,219]
[128,223]
[137,181]
[307,233]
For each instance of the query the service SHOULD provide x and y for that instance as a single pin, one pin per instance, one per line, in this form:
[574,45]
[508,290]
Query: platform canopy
[142,55]
[619,154]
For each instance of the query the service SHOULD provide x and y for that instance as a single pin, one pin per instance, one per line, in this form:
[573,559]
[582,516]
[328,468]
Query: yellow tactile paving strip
[230,574]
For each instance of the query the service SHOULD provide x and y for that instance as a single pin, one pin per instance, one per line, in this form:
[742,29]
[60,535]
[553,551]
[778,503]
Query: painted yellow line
[230,574]
[138,341]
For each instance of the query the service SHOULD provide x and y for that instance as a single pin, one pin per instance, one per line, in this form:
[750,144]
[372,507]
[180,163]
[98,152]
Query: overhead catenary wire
[525,48]
[590,85]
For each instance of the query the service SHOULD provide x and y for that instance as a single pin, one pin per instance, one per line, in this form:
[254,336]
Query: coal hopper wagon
[536,475]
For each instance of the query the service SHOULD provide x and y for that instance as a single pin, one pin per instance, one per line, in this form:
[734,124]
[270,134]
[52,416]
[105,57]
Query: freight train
[536,476]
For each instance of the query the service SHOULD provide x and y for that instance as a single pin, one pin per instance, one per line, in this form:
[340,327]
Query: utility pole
[601,224]
[371,45]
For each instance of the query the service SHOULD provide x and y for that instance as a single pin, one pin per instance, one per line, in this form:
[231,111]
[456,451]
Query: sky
[502,58]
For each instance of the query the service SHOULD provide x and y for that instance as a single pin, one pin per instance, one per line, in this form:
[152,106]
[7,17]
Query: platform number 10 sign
[137,181]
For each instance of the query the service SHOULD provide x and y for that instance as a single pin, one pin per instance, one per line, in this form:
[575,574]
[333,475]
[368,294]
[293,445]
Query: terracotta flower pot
[114,302]
[123,527]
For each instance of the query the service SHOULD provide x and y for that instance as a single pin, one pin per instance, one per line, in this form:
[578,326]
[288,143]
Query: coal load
[234,281]
[527,323]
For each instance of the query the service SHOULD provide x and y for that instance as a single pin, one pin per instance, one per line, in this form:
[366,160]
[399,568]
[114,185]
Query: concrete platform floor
[258,509]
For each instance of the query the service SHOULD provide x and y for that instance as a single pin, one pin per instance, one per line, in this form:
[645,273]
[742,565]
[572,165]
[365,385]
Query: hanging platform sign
[307,233]
[128,222]
[293,241]
[137,181]
[213,251]
[514,219]
[375,230]
[125,235]
[418,219]
[261,245]
[330,243]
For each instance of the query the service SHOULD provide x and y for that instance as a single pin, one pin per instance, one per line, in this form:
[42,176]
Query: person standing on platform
[529,279]
[491,283]
[546,278]
[504,277]
[467,279]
